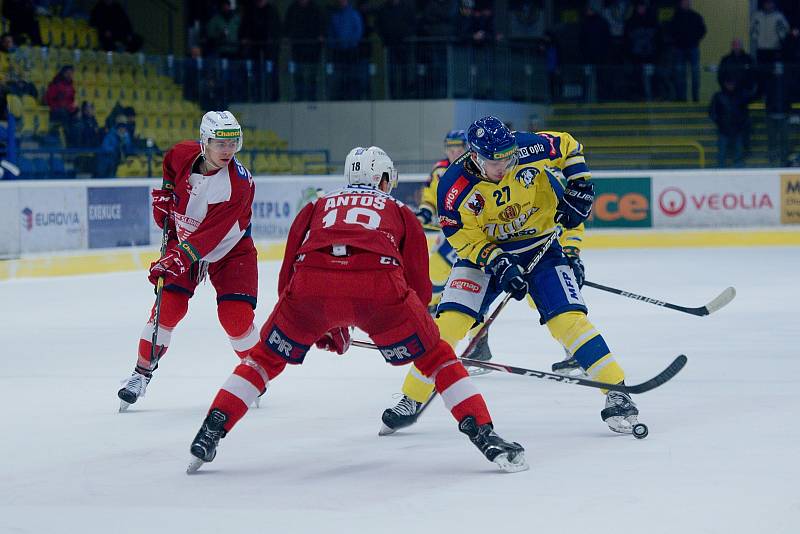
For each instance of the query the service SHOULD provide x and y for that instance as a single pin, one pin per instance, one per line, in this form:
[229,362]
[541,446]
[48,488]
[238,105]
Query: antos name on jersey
[480,219]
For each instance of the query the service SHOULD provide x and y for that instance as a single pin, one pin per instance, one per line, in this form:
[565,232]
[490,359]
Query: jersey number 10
[366,217]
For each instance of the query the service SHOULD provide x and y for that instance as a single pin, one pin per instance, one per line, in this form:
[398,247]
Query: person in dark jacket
[114,28]
[116,145]
[260,34]
[738,66]
[729,112]
[21,15]
[643,39]
[688,29]
[396,23]
[305,28]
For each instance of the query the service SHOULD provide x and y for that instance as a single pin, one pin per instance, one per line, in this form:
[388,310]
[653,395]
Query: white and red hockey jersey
[212,212]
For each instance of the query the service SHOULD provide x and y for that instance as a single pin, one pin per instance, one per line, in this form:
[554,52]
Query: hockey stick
[487,323]
[159,291]
[721,300]
[664,376]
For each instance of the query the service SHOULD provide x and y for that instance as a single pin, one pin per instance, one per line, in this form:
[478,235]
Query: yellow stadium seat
[29,103]
[14,105]
[42,122]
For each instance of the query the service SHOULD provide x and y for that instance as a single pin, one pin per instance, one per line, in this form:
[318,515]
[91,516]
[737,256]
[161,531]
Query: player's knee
[453,326]
[235,316]
[174,305]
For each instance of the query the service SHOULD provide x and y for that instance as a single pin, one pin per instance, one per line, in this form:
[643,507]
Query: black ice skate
[204,446]
[510,456]
[569,367]
[132,388]
[480,352]
[404,414]
[621,415]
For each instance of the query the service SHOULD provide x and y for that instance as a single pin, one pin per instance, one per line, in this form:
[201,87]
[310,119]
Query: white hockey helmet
[220,125]
[368,166]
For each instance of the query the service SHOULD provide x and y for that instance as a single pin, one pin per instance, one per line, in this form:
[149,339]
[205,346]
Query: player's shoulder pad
[186,148]
[441,164]
[565,144]
[237,170]
[455,185]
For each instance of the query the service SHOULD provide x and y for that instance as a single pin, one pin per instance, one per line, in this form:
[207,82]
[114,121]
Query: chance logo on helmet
[220,125]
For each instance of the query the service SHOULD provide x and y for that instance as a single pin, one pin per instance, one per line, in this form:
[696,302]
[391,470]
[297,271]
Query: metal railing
[67,163]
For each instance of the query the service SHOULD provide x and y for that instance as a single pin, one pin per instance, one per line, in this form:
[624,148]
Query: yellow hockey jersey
[429,192]
[481,219]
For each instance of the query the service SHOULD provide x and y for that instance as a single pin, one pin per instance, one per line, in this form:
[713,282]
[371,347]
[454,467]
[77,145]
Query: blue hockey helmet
[455,138]
[491,140]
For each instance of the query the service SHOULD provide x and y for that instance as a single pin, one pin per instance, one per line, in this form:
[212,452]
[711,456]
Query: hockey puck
[640,431]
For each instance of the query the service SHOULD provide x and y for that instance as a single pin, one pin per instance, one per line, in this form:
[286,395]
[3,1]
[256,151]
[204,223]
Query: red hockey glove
[336,340]
[163,204]
[172,265]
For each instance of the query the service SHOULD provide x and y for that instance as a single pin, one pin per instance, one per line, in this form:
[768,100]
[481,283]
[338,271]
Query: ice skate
[622,416]
[480,352]
[403,415]
[204,445]
[509,456]
[133,388]
[569,366]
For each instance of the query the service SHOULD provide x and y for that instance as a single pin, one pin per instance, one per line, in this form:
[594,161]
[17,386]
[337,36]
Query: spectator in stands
[396,23]
[7,45]
[116,145]
[260,34]
[436,30]
[768,28]
[88,131]
[222,32]
[737,66]
[345,30]
[729,112]
[60,97]
[642,34]
[593,45]
[21,15]
[687,29]
[305,29]
[114,28]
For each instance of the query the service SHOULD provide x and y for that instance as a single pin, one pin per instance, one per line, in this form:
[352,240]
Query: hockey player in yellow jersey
[442,256]
[497,205]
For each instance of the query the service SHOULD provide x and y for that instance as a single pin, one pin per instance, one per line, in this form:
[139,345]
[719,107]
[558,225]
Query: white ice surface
[723,455]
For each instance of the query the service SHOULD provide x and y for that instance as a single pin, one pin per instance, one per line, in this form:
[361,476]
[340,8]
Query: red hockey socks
[453,383]
[236,317]
[173,308]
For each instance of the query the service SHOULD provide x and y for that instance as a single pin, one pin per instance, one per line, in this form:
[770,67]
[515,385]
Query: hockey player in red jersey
[206,201]
[355,257]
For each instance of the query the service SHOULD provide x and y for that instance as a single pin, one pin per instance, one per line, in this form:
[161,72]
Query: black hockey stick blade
[721,300]
[661,378]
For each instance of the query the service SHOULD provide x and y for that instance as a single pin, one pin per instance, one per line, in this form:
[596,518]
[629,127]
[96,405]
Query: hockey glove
[425,215]
[171,266]
[336,340]
[575,205]
[163,204]
[572,254]
[510,276]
